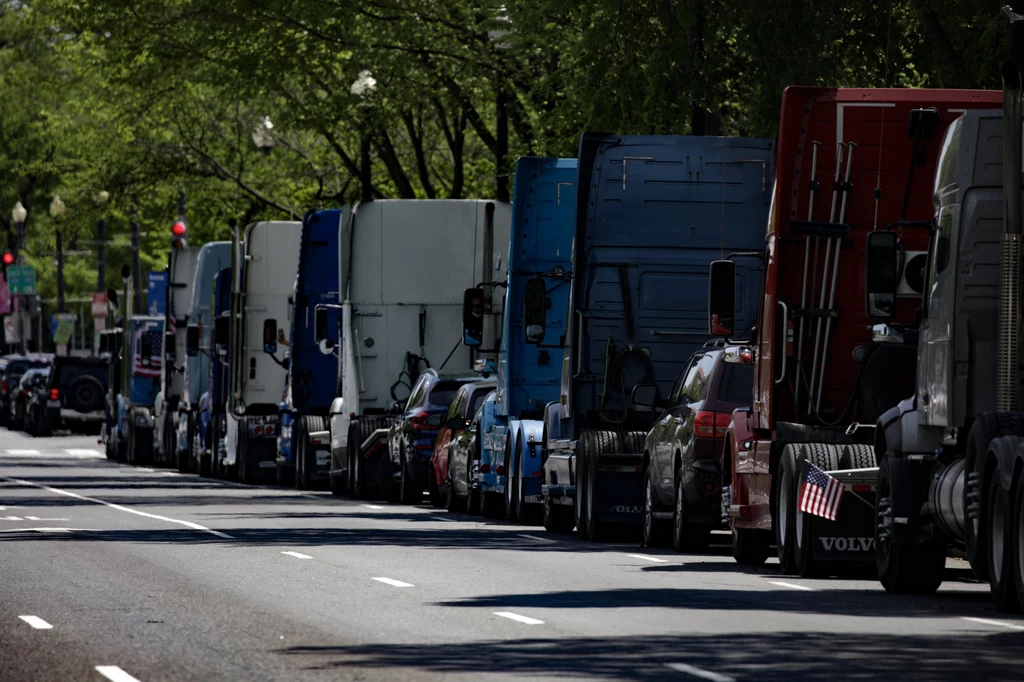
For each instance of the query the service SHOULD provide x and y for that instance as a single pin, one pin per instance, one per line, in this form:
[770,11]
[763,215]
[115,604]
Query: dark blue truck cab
[652,212]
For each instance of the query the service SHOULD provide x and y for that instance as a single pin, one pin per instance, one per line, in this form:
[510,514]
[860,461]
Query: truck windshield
[736,384]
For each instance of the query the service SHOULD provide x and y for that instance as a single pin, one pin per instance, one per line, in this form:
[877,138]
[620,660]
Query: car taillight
[708,424]
[419,421]
[54,394]
[722,423]
[257,429]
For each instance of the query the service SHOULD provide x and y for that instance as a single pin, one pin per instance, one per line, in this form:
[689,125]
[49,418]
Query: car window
[696,386]
[677,389]
[737,384]
[416,397]
[68,372]
[478,414]
[456,409]
[477,400]
[443,393]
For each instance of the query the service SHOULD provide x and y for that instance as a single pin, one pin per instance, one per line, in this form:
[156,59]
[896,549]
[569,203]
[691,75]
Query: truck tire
[653,532]
[986,427]
[825,457]
[358,431]
[750,546]
[857,457]
[903,568]
[558,518]
[580,501]
[596,443]
[997,530]
[784,520]
[1017,533]
[513,502]
[300,441]
[183,458]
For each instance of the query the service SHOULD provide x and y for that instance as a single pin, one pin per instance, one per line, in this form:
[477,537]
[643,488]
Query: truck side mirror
[146,348]
[270,336]
[882,273]
[170,347]
[722,298]
[535,313]
[319,324]
[192,340]
[473,317]
[924,124]
[221,334]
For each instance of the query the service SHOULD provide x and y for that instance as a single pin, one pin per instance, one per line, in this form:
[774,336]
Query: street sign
[62,327]
[11,329]
[21,279]
[99,305]
[156,293]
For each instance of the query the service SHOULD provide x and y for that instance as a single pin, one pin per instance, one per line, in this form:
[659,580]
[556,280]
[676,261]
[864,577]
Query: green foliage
[148,98]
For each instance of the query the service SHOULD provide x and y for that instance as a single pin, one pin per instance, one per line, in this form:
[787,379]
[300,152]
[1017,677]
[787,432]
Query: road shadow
[765,657]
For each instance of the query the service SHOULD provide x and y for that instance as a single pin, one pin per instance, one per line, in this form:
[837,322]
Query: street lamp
[364,87]
[263,135]
[57,210]
[20,215]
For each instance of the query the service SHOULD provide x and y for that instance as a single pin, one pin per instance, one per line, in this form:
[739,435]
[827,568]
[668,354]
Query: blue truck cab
[543,211]
[143,357]
[210,421]
[652,212]
[312,368]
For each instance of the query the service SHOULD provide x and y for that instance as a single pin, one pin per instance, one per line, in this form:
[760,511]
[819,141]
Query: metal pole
[501,151]
[101,265]
[60,271]
[364,168]
[136,264]
[17,298]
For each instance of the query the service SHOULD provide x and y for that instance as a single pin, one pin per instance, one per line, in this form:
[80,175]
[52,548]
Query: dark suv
[683,451]
[411,438]
[76,393]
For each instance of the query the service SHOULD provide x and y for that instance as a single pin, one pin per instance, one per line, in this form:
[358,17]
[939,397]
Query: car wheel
[686,535]
[654,532]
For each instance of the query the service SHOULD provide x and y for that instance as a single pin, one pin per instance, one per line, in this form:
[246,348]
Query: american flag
[821,494]
[151,370]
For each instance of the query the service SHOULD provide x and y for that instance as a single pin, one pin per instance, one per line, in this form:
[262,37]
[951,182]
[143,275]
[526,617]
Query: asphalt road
[119,573]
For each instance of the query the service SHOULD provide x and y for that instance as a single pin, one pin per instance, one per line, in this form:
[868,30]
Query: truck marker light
[54,394]
[485,468]
[500,469]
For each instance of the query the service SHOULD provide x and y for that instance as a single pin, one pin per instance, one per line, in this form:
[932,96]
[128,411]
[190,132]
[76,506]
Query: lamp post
[57,210]
[20,215]
[100,199]
[364,87]
[497,37]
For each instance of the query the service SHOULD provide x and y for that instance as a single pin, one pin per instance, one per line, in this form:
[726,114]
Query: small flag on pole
[821,494]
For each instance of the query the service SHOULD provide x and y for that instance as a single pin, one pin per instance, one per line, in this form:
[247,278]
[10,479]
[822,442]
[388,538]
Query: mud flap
[911,480]
[851,537]
[620,489]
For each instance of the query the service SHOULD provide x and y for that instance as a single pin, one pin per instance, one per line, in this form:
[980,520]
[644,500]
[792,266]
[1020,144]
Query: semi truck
[263,265]
[850,162]
[539,272]
[403,269]
[312,374]
[174,306]
[950,455]
[651,213]
[210,422]
[195,368]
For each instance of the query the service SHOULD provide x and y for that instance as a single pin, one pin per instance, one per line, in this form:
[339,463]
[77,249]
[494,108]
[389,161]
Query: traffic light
[179,235]
[8,258]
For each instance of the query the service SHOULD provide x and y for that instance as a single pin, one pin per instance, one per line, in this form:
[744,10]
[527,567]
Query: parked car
[683,451]
[31,382]
[15,368]
[75,396]
[456,422]
[412,437]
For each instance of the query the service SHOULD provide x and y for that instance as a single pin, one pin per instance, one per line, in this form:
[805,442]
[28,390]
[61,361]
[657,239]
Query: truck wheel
[686,535]
[1017,533]
[357,475]
[143,445]
[580,503]
[654,533]
[300,442]
[557,518]
[826,457]
[857,457]
[784,520]
[999,543]
[986,427]
[903,568]
[491,505]
[750,547]
[512,490]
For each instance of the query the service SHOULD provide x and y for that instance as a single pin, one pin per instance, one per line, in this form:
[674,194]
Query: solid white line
[297,555]
[699,672]
[118,507]
[534,537]
[114,674]
[393,583]
[793,586]
[373,506]
[649,558]
[36,622]
[22,452]
[517,617]
[986,621]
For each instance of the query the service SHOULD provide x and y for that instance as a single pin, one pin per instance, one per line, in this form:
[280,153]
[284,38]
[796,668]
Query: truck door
[933,375]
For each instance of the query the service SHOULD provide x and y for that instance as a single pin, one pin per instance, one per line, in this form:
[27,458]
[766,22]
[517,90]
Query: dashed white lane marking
[534,537]
[114,674]
[792,586]
[36,518]
[297,555]
[42,530]
[36,622]
[699,672]
[11,518]
[393,583]
[83,452]
[517,617]
[653,559]
[146,470]
[373,506]
[999,623]
[118,507]
[21,452]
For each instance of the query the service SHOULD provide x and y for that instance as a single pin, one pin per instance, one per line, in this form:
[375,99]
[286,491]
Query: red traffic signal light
[179,229]
[8,258]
